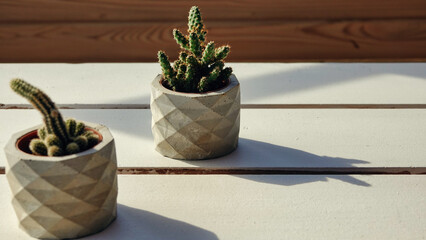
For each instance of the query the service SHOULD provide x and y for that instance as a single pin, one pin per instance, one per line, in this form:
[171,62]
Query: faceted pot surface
[193,126]
[64,197]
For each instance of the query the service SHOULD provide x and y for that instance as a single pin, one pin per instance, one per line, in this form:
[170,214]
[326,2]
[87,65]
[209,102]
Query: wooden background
[267,30]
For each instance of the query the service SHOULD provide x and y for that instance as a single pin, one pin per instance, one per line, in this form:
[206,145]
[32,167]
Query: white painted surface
[261,83]
[342,138]
[254,206]
[258,207]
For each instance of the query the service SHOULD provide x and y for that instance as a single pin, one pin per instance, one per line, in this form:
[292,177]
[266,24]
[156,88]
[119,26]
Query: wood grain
[222,10]
[251,41]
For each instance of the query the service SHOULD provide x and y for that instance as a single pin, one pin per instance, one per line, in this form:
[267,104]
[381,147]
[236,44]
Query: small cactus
[200,66]
[56,137]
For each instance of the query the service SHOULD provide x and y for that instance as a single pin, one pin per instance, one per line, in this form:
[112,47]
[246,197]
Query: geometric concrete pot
[63,197]
[194,126]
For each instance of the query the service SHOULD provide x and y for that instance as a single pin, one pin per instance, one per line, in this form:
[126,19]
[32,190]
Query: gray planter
[63,197]
[195,126]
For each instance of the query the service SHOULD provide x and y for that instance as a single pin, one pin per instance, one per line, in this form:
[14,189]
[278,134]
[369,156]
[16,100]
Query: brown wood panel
[223,10]
[251,41]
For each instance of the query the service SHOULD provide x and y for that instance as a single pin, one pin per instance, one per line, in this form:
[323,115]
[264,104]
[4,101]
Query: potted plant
[195,102]
[62,174]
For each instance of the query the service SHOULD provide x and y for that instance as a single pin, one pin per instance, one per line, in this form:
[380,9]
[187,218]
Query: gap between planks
[243,106]
[265,171]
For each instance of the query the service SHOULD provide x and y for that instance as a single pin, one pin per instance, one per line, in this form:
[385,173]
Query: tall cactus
[200,67]
[56,137]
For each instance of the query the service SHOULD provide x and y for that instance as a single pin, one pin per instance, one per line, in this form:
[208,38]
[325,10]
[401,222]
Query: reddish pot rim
[23,142]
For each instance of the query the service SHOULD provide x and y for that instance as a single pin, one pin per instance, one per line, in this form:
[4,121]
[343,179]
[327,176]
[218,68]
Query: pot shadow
[133,223]
[250,152]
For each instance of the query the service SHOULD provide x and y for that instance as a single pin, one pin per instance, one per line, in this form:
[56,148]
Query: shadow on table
[135,223]
[289,180]
[250,153]
[286,81]
[320,75]
[304,77]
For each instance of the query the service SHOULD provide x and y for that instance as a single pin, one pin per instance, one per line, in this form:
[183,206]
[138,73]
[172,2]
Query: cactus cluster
[200,66]
[56,137]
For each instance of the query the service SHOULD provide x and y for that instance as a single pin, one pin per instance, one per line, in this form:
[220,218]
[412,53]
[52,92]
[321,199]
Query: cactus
[56,137]
[200,66]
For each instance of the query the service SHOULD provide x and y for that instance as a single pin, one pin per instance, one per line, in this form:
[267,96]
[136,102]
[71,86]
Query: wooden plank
[270,41]
[297,85]
[263,171]
[259,207]
[243,106]
[267,171]
[283,139]
[137,10]
[317,106]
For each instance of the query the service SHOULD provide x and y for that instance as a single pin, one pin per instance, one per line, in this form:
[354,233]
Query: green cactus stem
[168,71]
[92,139]
[225,73]
[56,137]
[195,44]
[54,151]
[183,56]
[222,52]
[181,39]
[200,66]
[81,141]
[208,54]
[52,140]
[42,133]
[195,23]
[38,147]
[52,118]
[72,148]
[205,82]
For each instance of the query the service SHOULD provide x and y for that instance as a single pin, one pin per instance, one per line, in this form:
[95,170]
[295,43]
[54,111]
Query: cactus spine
[56,137]
[200,66]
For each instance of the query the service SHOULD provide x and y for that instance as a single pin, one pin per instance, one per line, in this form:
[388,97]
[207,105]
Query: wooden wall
[266,30]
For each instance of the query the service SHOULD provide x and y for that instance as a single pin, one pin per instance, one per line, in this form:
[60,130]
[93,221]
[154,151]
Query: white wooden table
[327,151]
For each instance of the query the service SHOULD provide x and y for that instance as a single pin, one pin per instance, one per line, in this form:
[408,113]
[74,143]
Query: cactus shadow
[133,223]
[284,80]
[250,152]
[118,121]
[291,80]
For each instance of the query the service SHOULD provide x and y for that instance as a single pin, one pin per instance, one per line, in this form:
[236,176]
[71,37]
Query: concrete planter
[194,126]
[63,197]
